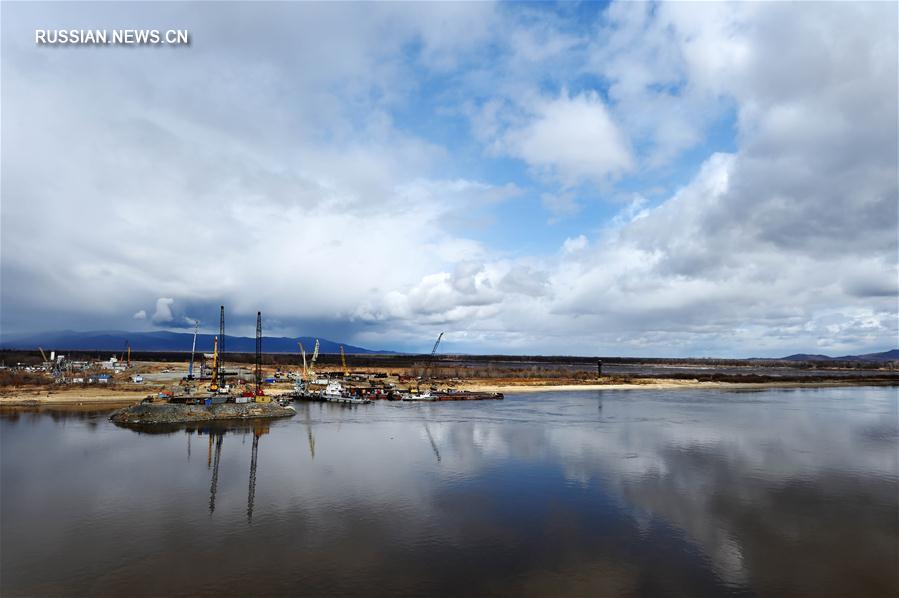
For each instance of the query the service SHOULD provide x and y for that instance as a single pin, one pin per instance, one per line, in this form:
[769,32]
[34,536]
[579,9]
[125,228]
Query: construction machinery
[346,371]
[49,364]
[311,373]
[260,395]
[221,370]
[303,353]
[437,344]
[430,366]
[215,365]
[193,349]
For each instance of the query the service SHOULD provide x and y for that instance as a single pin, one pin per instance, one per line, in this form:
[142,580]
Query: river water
[630,493]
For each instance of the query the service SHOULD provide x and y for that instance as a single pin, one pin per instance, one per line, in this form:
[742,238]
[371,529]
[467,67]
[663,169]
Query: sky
[624,178]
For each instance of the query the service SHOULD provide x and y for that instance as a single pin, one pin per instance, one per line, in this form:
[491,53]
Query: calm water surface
[636,493]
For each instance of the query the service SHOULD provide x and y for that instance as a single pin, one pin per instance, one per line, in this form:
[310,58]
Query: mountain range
[882,356]
[163,340]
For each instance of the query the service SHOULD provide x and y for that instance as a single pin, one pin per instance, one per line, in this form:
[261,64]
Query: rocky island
[170,413]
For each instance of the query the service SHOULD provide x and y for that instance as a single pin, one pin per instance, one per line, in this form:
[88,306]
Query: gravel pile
[170,413]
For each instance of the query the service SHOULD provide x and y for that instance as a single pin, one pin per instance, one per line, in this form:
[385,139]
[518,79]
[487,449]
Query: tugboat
[334,392]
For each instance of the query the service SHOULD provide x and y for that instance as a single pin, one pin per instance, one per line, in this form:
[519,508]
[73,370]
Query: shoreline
[95,397]
[673,385]
[124,398]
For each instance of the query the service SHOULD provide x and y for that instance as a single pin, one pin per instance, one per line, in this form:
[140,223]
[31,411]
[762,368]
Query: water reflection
[431,439]
[307,412]
[634,493]
[215,433]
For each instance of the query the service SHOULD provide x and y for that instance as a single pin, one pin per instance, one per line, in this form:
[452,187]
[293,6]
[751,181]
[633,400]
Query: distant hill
[163,340]
[883,356]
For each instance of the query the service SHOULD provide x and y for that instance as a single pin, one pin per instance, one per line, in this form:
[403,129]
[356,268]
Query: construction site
[212,376]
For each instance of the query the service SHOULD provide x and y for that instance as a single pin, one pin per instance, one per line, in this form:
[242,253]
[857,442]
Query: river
[614,493]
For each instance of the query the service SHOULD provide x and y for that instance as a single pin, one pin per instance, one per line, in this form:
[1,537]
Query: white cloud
[289,182]
[140,315]
[163,313]
[573,245]
[573,138]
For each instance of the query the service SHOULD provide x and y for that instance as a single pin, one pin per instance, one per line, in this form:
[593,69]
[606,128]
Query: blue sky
[577,178]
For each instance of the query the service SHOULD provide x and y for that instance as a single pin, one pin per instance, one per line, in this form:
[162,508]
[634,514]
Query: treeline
[11,357]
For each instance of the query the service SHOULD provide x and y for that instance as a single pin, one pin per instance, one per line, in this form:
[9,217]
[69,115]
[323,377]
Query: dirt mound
[170,413]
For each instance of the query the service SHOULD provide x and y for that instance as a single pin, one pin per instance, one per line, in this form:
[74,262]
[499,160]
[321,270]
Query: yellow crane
[215,365]
[346,372]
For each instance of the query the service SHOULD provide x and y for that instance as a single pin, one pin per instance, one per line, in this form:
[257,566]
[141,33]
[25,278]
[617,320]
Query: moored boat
[334,392]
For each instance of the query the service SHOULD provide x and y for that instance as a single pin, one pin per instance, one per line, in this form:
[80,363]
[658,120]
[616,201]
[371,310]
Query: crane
[193,349]
[44,355]
[346,372]
[221,370]
[437,344]
[215,364]
[259,392]
[312,363]
[430,365]
[303,353]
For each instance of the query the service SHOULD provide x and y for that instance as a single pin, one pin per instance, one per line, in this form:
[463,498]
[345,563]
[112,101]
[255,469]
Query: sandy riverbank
[12,397]
[121,397]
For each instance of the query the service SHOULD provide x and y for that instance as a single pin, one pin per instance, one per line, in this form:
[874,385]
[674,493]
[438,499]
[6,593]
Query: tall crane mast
[346,371]
[215,364]
[303,353]
[221,369]
[434,354]
[437,344]
[193,349]
[312,363]
[258,353]
[44,355]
